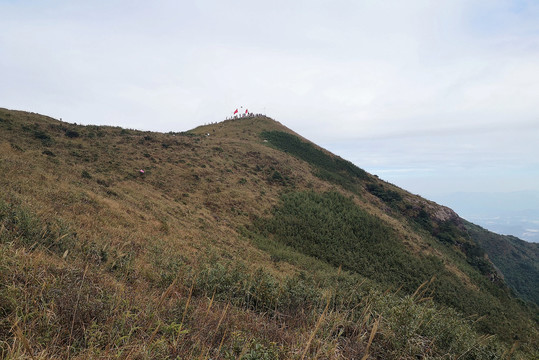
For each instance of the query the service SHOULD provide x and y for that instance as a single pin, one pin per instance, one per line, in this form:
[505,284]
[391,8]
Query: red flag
[246,111]
[235,112]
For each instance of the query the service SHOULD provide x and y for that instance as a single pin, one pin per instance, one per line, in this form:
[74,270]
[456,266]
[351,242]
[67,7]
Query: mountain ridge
[210,199]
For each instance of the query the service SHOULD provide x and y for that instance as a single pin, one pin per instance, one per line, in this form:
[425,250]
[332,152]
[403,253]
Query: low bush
[46,139]
[72,134]
[386,195]
[85,174]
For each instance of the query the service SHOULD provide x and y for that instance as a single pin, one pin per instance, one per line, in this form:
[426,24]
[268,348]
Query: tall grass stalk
[75,313]
[20,335]
[185,310]
[507,354]
[167,292]
[210,304]
[420,291]
[221,343]
[222,317]
[483,339]
[371,337]
[318,323]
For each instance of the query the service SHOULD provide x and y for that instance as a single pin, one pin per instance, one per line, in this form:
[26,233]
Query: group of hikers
[237,114]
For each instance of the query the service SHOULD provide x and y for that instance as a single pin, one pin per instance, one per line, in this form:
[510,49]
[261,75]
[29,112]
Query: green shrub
[386,195]
[257,291]
[258,351]
[41,135]
[45,138]
[48,153]
[72,134]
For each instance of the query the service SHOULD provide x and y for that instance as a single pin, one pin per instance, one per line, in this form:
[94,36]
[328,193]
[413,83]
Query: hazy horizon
[508,213]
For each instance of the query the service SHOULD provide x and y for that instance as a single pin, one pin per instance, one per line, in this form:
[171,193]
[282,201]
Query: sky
[436,97]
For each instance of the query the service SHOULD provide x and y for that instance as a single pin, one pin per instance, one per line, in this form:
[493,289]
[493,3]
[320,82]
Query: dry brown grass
[190,202]
[190,195]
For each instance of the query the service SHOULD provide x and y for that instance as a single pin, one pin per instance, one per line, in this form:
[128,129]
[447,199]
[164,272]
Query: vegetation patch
[451,234]
[386,195]
[85,174]
[516,259]
[20,225]
[332,228]
[330,168]
[72,134]
[45,138]
[404,327]
[48,153]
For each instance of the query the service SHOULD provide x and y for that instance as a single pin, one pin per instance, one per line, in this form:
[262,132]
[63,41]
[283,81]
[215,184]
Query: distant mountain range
[506,213]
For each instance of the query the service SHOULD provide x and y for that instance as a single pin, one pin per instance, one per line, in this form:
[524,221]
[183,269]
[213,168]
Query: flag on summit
[235,112]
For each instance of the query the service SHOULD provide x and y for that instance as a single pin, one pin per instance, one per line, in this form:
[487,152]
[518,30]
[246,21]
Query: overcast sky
[434,96]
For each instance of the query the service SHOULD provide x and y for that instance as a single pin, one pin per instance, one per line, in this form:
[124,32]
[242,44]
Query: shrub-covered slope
[517,260]
[240,240]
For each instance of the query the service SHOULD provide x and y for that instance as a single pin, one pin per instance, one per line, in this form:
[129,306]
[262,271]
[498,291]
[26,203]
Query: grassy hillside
[240,240]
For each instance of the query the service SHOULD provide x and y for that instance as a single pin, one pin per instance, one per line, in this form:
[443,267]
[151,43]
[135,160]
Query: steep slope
[240,240]
[517,260]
